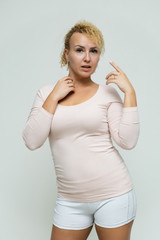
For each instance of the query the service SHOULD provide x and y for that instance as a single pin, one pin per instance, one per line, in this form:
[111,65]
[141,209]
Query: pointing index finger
[115,66]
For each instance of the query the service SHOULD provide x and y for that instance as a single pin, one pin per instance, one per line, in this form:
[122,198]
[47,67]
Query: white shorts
[110,213]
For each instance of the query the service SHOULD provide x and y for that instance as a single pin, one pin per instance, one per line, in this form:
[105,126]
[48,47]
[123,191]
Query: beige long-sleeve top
[88,166]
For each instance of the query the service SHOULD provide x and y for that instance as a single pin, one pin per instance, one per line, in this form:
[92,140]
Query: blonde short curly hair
[86,28]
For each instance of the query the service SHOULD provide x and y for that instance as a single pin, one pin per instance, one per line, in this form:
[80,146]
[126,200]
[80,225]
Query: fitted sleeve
[37,126]
[124,124]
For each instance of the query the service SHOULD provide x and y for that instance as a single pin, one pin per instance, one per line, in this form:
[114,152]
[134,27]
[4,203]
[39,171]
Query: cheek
[75,59]
[96,61]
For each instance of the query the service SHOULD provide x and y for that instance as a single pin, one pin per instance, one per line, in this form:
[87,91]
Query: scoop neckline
[82,103]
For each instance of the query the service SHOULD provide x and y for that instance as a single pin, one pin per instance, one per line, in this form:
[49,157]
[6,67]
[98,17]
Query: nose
[87,57]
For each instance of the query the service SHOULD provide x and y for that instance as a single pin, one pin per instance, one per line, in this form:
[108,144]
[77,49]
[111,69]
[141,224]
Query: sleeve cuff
[130,109]
[48,114]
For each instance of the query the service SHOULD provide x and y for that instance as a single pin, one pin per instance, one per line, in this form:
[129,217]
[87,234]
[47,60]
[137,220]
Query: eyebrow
[84,47]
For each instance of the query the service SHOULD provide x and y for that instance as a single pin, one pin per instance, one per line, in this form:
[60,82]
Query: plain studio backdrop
[32,34]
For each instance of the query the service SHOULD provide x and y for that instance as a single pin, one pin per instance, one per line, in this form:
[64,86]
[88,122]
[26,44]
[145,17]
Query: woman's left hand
[120,79]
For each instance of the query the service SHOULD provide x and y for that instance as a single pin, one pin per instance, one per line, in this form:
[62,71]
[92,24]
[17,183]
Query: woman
[80,117]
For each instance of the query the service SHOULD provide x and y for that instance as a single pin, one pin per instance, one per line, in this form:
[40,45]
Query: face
[83,55]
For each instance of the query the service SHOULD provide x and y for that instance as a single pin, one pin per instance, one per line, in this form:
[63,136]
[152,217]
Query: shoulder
[110,93]
[47,87]
[45,90]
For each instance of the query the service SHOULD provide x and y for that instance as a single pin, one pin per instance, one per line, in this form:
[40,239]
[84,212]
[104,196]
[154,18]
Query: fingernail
[110,61]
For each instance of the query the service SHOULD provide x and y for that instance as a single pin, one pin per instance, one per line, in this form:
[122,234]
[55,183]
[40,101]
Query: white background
[31,40]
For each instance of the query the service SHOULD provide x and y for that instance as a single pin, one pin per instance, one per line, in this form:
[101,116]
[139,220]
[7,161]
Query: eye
[94,51]
[79,50]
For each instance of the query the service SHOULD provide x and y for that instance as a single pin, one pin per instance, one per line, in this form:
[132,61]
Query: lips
[86,66]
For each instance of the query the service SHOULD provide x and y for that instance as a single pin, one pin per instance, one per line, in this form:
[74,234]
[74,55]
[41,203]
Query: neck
[79,81]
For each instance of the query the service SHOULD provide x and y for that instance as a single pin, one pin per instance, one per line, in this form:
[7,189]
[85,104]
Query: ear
[66,54]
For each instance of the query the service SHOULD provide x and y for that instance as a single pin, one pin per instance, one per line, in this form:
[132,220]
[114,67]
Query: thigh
[119,233]
[115,217]
[60,234]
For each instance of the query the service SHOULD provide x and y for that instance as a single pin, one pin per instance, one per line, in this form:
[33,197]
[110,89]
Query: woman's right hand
[63,87]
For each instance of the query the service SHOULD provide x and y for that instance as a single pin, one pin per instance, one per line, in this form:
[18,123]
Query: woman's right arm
[39,121]
[38,124]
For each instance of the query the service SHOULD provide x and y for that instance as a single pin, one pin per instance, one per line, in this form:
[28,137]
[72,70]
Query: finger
[68,78]
[115,66]
[111,80]
[112,73]
[70,85]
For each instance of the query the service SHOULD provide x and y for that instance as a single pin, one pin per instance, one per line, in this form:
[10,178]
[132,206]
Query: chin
[86,74]
[81,74]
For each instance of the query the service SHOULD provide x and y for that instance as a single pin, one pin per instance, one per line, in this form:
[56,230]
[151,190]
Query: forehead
[82,39]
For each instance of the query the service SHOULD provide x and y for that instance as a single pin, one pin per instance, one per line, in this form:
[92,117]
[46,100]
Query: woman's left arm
[123,119]
[130,99]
